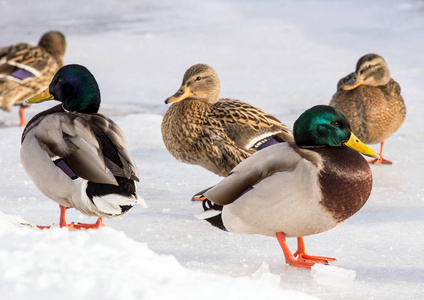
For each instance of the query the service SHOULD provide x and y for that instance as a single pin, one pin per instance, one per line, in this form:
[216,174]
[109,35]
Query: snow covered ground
[282,56]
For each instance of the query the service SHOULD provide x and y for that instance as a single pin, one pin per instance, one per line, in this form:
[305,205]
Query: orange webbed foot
[96,225]
[319,259]
[304,260]
[300,263]
[300,252]
[382,160]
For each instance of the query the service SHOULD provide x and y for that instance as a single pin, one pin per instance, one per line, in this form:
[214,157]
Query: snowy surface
[282,56]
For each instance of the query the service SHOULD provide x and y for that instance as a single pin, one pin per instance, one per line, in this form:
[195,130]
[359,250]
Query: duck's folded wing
[78,140]
[265,163]
[247,125]
[31,59]
[221,150]
[117,137]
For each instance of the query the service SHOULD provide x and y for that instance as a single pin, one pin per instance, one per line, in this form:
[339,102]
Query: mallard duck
[371,100]
[296,189]
[76,156]
[26,70]
[217,134]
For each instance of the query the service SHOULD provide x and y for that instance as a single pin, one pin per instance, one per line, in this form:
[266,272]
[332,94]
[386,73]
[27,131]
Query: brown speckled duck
[26,70]
[371,100]
[217,134]
[296,189]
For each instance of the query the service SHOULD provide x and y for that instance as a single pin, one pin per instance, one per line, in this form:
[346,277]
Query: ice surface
[264,274]
[332,276]
[282,56]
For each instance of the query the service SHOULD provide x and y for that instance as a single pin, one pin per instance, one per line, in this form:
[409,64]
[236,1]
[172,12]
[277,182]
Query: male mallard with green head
[217,134]
[296,189]
[26,70]
[371,100]
[76,156]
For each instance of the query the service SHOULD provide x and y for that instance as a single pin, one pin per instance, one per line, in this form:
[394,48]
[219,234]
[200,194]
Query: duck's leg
[302,254]
[381,160]
[71,226]
[22,115]
[97,225]
[300,263]
[62,220]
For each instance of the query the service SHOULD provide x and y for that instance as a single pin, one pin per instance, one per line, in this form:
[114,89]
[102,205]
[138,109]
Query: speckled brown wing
[247,125]
[221,152]
[192,134]
[32,58]
[37,62]
[375,113]
[93,145]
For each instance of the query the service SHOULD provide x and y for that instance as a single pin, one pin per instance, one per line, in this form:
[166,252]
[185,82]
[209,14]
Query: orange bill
[182,94]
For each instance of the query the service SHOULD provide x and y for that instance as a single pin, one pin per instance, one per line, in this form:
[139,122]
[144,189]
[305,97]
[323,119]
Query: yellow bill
[182,94]
[43,96]
[357,145]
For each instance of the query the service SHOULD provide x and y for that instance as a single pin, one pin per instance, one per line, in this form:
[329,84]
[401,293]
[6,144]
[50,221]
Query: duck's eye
[60,79]
[335,123]
[198,78]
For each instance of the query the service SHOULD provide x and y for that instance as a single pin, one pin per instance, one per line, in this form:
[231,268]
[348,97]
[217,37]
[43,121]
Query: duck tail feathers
[114,205]
[212,213]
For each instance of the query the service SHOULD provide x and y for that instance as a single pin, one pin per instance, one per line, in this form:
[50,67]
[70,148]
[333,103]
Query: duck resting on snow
[26,70]
[371,100]
[217,134]
[296,189]
[76,156]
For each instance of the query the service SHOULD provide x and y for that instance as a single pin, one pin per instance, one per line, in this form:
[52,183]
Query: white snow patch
[332,276]
[106,264]
[264,274]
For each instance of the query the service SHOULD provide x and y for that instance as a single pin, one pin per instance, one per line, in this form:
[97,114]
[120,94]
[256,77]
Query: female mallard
[296,189]
[26,70]
[217,134]
[371,100]
[76,156]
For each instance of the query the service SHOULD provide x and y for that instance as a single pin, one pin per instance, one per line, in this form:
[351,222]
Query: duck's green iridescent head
[75,87]
[324,125]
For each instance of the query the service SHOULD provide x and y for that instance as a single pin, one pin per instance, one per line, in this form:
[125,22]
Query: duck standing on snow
[76,156]
[371,100]
[26,70]
[217,134]
[296,189]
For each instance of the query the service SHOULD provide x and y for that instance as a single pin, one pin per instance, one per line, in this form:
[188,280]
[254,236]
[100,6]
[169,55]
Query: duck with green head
[76,156]
[371,100]
[296,189]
